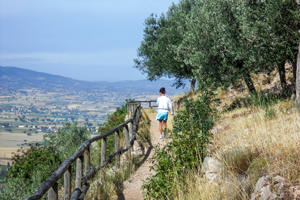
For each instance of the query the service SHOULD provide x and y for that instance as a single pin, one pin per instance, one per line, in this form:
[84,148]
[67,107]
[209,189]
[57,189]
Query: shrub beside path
[132,187]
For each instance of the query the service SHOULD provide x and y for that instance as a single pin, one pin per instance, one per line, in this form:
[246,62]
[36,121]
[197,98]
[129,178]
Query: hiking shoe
[161,137]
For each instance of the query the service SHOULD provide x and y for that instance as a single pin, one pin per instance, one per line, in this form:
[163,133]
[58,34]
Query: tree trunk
[294,72]
[249,82]
[281,70]
[298,78]
[193,84]
[298,70]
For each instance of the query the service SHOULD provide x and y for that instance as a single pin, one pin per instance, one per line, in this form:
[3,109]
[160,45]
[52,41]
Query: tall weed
[187,147]
[257,99]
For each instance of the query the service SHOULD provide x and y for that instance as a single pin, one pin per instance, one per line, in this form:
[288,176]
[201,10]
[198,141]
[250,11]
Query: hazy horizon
[83,40]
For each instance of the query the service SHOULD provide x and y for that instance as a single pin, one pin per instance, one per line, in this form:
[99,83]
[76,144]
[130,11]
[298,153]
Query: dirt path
[132,186]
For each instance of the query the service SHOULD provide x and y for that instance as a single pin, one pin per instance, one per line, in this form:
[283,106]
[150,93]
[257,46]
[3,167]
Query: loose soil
[132,186]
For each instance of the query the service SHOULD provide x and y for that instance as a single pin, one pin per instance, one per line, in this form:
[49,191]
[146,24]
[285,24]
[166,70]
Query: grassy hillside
[254,144]
[254,136]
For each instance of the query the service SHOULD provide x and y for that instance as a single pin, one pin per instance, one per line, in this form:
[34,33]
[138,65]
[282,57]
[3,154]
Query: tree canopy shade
[214,44]
[220,42]
[157,55]
[272,27]
[228,40]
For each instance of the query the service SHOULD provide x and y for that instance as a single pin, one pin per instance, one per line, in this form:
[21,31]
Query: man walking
[164,104]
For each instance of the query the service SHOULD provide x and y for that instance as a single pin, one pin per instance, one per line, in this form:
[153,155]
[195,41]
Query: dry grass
[249,146]
[196,187]
[144,134]
[109,182]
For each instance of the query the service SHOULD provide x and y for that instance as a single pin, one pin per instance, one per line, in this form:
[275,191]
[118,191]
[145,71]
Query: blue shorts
[162,116]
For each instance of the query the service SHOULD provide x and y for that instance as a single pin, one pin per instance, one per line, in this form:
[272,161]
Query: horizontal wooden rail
[83,155]
[150,101]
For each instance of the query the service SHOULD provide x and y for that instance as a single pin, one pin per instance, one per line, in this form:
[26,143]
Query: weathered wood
[79,170]
[127,140]
[130,127]
[75,194]
[66,164]
[87,161]
[68,183]
[137,103]
[93,171]
[113,130]
[58,173]
[53,192]
[84,191]
[117,148]
[103,150]
[89,175]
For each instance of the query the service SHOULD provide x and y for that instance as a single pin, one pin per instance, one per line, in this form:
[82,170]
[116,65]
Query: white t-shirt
[164,104]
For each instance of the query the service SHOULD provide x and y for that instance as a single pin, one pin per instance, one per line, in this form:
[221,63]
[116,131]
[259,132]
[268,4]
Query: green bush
[68,139]
[34,158]
[187,147]
[113,120]
[30,168]
[258,100]
[3,171]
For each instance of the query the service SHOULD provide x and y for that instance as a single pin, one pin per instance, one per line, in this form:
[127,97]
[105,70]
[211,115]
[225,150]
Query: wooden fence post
[129,110]
[68,183]
[130,126]
[83,155]
[103,150]
[79,169]
[127,140]
[117,147]
[53,192]
[87,160]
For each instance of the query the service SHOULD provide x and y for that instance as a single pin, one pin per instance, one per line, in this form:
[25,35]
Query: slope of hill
[16,78]
[13,79]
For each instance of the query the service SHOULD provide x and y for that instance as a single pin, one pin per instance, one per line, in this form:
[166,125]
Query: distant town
[33,102]
[32,111]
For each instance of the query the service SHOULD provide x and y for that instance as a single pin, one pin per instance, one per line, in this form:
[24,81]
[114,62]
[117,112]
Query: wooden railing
[150,105]
[82,158]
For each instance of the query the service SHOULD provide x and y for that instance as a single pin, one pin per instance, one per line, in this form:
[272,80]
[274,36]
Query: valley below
[33,104]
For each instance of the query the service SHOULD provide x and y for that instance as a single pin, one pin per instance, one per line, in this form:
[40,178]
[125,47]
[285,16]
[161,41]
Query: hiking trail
[132,187]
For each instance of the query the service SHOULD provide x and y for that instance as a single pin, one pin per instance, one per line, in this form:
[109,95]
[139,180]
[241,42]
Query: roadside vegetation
[245,53]
[186,148]
[110,182]
[241,57]
[256,139]
[30,167]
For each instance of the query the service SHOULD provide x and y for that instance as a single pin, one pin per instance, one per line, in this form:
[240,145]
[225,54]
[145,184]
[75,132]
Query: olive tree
[272,28]
[228,40]
[214,44]
[68,139]
[157,55]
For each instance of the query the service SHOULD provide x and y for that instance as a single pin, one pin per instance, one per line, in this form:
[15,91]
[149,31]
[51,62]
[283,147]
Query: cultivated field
[29,114]
[11,142]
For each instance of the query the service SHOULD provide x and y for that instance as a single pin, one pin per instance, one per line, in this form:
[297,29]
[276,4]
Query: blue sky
[92,40]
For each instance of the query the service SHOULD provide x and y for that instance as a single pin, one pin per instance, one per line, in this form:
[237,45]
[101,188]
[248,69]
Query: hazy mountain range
[14,79]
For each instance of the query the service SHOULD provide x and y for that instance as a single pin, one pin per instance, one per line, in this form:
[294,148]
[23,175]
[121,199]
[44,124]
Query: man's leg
[160,126]
[165,127]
